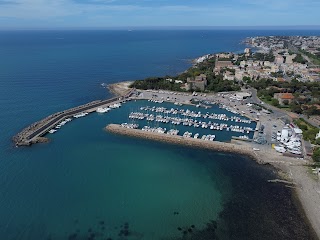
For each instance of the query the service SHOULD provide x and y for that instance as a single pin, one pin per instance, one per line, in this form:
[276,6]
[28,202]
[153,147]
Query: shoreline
[291,169]
[120,88]
[307,190]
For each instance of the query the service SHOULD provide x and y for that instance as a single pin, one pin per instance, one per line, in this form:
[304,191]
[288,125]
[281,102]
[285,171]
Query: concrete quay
[34,132]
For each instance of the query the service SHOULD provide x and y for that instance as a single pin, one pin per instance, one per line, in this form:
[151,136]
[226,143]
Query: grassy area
[315,59]
[266,100]
[309,132]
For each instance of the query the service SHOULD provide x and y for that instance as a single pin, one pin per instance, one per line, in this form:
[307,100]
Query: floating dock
[35,132]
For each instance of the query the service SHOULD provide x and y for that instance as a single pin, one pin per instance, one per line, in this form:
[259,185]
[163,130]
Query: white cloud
[233,12]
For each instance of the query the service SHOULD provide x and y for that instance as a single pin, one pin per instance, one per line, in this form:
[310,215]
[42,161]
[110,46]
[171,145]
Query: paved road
[280,113]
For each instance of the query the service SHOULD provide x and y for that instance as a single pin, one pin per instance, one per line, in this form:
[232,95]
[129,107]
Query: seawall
[34,132]
[180,140]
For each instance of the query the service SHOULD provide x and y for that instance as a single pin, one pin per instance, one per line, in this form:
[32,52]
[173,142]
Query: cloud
[8,2]
[157,12]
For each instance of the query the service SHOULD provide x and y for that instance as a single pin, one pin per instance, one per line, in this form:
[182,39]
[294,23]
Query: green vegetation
[263,56]
[157,83]
[215,82]
[316,155]
[309,132]
[275,102]
[299,59]
[315,58]
[307,95]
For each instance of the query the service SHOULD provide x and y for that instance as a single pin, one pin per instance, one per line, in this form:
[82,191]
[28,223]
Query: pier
[185,141]
[34,133]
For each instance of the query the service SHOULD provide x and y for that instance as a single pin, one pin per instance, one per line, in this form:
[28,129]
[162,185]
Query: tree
[285,102]
[316,155]
[275,102]
[246,79]
[296,108]
[299,59]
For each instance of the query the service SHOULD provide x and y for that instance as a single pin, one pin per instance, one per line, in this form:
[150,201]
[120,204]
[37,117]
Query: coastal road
[279,113]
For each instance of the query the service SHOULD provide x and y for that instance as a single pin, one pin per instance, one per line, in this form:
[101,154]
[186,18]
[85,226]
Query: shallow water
[87,181]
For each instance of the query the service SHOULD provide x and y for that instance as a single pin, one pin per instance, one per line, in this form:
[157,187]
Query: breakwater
[34,132]
[180,140]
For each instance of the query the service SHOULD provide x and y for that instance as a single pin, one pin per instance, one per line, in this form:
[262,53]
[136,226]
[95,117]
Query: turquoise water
[104,177]
[87,181]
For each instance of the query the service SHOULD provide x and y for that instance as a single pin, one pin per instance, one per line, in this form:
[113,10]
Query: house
[282,97]
[198,83]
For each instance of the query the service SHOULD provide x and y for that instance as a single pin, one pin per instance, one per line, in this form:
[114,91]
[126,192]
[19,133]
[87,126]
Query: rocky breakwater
[191,142]
[33,133]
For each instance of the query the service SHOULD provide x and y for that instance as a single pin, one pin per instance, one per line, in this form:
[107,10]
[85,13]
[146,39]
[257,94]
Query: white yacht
[280,149]
[102,110]
[80,115]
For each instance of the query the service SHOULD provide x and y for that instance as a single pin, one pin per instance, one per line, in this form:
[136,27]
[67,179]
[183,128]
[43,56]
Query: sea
[90,184]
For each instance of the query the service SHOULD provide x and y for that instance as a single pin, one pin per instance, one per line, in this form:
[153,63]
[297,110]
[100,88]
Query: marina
[35,132]
[174,118]
[189,120]
[89,182]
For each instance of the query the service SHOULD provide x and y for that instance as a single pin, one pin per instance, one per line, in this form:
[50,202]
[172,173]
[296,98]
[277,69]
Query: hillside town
[282,73]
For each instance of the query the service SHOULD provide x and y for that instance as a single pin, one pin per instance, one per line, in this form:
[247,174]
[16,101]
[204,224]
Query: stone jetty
[34,132]
[180,140]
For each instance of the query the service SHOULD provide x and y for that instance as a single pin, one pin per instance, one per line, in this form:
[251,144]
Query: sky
[33,14]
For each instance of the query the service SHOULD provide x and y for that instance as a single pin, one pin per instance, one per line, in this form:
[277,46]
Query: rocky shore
[293,170]
[120,89]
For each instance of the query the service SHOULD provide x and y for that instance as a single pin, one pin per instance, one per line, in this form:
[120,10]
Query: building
[243,95]
[198,83]
[228,76]
[282,97]
[247,51]
[222,64]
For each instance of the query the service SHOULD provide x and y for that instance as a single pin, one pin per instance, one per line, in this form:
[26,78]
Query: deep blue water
[85,175]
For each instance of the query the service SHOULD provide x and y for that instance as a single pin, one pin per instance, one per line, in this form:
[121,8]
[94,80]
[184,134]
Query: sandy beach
[294,171]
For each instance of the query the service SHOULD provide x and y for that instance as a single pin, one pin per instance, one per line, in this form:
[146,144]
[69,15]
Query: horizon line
[261,27]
